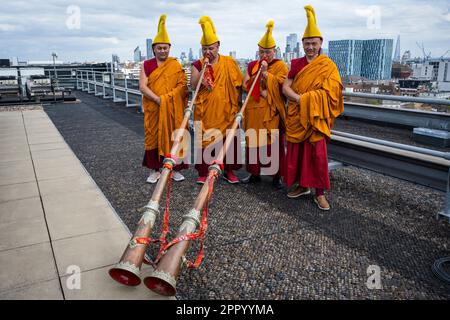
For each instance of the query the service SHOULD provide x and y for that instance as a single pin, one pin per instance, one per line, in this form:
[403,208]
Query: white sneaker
[177,176]
[153,177]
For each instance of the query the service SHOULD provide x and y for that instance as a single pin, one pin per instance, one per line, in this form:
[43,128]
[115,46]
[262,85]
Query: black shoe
[277,183]
[251,179]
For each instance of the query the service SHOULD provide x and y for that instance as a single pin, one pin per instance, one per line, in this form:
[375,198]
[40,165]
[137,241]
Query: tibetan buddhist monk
[265,111]
[163,84]
[314,90]
[216,104]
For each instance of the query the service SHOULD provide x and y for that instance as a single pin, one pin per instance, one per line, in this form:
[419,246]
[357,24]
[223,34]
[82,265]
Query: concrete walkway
[54,220]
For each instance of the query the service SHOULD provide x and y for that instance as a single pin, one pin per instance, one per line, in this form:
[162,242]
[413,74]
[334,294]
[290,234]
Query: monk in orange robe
[265,111]
[314,90]
[163,84]
[216,104]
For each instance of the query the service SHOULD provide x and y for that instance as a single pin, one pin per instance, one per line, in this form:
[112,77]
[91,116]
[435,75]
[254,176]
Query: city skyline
[83,32]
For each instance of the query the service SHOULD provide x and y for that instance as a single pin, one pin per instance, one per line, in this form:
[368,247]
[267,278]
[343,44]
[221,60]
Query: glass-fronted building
[371,59]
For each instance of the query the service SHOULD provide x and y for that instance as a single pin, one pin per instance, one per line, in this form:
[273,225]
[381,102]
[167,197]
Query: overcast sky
[93,30]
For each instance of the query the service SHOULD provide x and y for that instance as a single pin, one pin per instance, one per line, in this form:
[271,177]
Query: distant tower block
[397,50]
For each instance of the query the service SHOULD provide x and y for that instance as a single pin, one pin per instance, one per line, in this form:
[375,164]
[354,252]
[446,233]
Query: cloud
[447,17]
[7,27]
[33,29]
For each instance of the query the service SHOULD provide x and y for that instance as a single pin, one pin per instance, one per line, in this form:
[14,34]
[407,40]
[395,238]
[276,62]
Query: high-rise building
[289,56]
[297,50]
[397,50]
[115,62]
[293,50]
[191,55]
[150,49]
[288,48]
[434,70]
[371,59]
[347,55]
[137,54]
[278,55]
[291,40]
[377,59]
[422,71]
[443,78]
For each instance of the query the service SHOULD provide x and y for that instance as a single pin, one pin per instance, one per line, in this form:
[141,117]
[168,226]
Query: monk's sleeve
[274,94]
[236,75]
[180,91]
[322,106]
[171,112]
[235,82]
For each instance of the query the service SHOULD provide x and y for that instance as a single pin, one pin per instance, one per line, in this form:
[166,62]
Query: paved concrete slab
[11,173]
[51,154]
[81,221]
[13,145]
[20,233]
[13,156]
[18,191]
[45,130]
[25,266]
[66,170]
[23,210]
[44,138]
[8,140]
[18,163]
[91,251]
[68,160]
[48,146]
[12,131]
[53,216]
[70,203]
[47,290]
[66,185]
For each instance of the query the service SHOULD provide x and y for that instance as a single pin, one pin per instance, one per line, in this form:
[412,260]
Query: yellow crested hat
[267,41]
[162,36]
[311,31]
[209,32]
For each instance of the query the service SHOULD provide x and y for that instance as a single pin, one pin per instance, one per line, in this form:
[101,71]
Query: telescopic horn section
[127,270]
[163,279]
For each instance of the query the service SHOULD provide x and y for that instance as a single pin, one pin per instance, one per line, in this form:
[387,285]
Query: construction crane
[425,56]
[445,53]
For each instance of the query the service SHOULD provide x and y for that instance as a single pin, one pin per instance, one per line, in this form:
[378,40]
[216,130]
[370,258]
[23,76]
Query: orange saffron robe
[170,83]
[217,108]
[321,102]
[267,113]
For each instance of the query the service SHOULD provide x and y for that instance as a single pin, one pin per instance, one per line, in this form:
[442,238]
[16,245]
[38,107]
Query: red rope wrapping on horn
[166,219]
[219,163]
[203,226]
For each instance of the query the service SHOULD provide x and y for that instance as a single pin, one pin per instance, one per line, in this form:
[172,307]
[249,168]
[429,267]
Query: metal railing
[127,90]
[105,84]
[400,116]
[398,98]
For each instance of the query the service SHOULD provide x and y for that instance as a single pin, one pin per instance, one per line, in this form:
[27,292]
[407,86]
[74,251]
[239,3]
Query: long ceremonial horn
[164,278]
[127,270]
